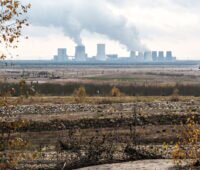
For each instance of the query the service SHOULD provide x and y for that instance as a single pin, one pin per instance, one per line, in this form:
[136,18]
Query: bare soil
[143,125]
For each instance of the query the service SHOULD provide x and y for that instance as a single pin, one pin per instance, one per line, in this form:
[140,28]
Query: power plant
[80,54]
[61,56]
[101,56]
[101,52]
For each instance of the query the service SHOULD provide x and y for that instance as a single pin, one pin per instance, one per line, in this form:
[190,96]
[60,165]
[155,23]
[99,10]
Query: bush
[175,95]
[115,92]
[12,145]
[80,94]
[187,148]
[23,88]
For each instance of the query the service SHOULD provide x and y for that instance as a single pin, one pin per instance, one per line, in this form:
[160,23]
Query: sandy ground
[136,165]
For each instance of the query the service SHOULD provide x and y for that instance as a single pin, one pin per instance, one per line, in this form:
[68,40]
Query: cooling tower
[133,54]
[148,56]
[101,52]
[80,54]
[61,56]
[161,56]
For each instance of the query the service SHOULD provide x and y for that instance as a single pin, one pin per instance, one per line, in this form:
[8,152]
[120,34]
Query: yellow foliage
[80,94]
[115,92]
[187,148]
[12,21]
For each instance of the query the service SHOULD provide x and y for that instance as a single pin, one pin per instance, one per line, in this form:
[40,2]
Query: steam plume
[92,15]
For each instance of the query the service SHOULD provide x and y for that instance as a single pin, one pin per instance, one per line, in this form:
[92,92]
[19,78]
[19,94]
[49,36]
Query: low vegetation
[175,96]
[80,94]
[105,89]
[11,147]
[97,134]
[115,92]
[187,148]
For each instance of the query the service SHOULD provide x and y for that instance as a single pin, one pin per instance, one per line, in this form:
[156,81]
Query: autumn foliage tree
[12,21]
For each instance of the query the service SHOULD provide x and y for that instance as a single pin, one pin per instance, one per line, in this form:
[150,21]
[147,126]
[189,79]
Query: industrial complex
[101,56]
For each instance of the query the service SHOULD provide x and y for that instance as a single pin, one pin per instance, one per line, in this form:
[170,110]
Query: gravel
[161,107]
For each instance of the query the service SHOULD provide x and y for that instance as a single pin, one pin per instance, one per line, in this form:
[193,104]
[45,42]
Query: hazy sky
[121,24]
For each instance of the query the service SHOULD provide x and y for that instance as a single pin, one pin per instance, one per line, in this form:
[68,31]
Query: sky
[123,25]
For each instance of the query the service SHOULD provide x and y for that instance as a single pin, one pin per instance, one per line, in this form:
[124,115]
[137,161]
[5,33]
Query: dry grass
[91,100]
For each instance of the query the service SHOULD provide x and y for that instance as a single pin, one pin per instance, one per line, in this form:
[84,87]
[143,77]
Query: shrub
[187,148]
[23,88]
[175,95]
[12,145]
[115,92]
[80,94]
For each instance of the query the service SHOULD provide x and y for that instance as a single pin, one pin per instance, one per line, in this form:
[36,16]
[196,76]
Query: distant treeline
[104,89]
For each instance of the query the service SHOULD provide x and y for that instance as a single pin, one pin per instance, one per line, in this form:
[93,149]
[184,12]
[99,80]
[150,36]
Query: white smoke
[92,15]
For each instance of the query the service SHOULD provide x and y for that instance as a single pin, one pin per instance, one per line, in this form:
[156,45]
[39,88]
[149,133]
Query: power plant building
[133,54]
[80,54]
[101,52]
[169,56]
[112,57]
[140,56]
[161,56]
[101,56]
[154,55]
[148,56]
[61,56]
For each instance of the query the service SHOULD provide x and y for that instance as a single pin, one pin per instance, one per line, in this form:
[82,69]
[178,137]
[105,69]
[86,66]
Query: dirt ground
[153,74]
[147,124]
[137,165]
[101,130]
